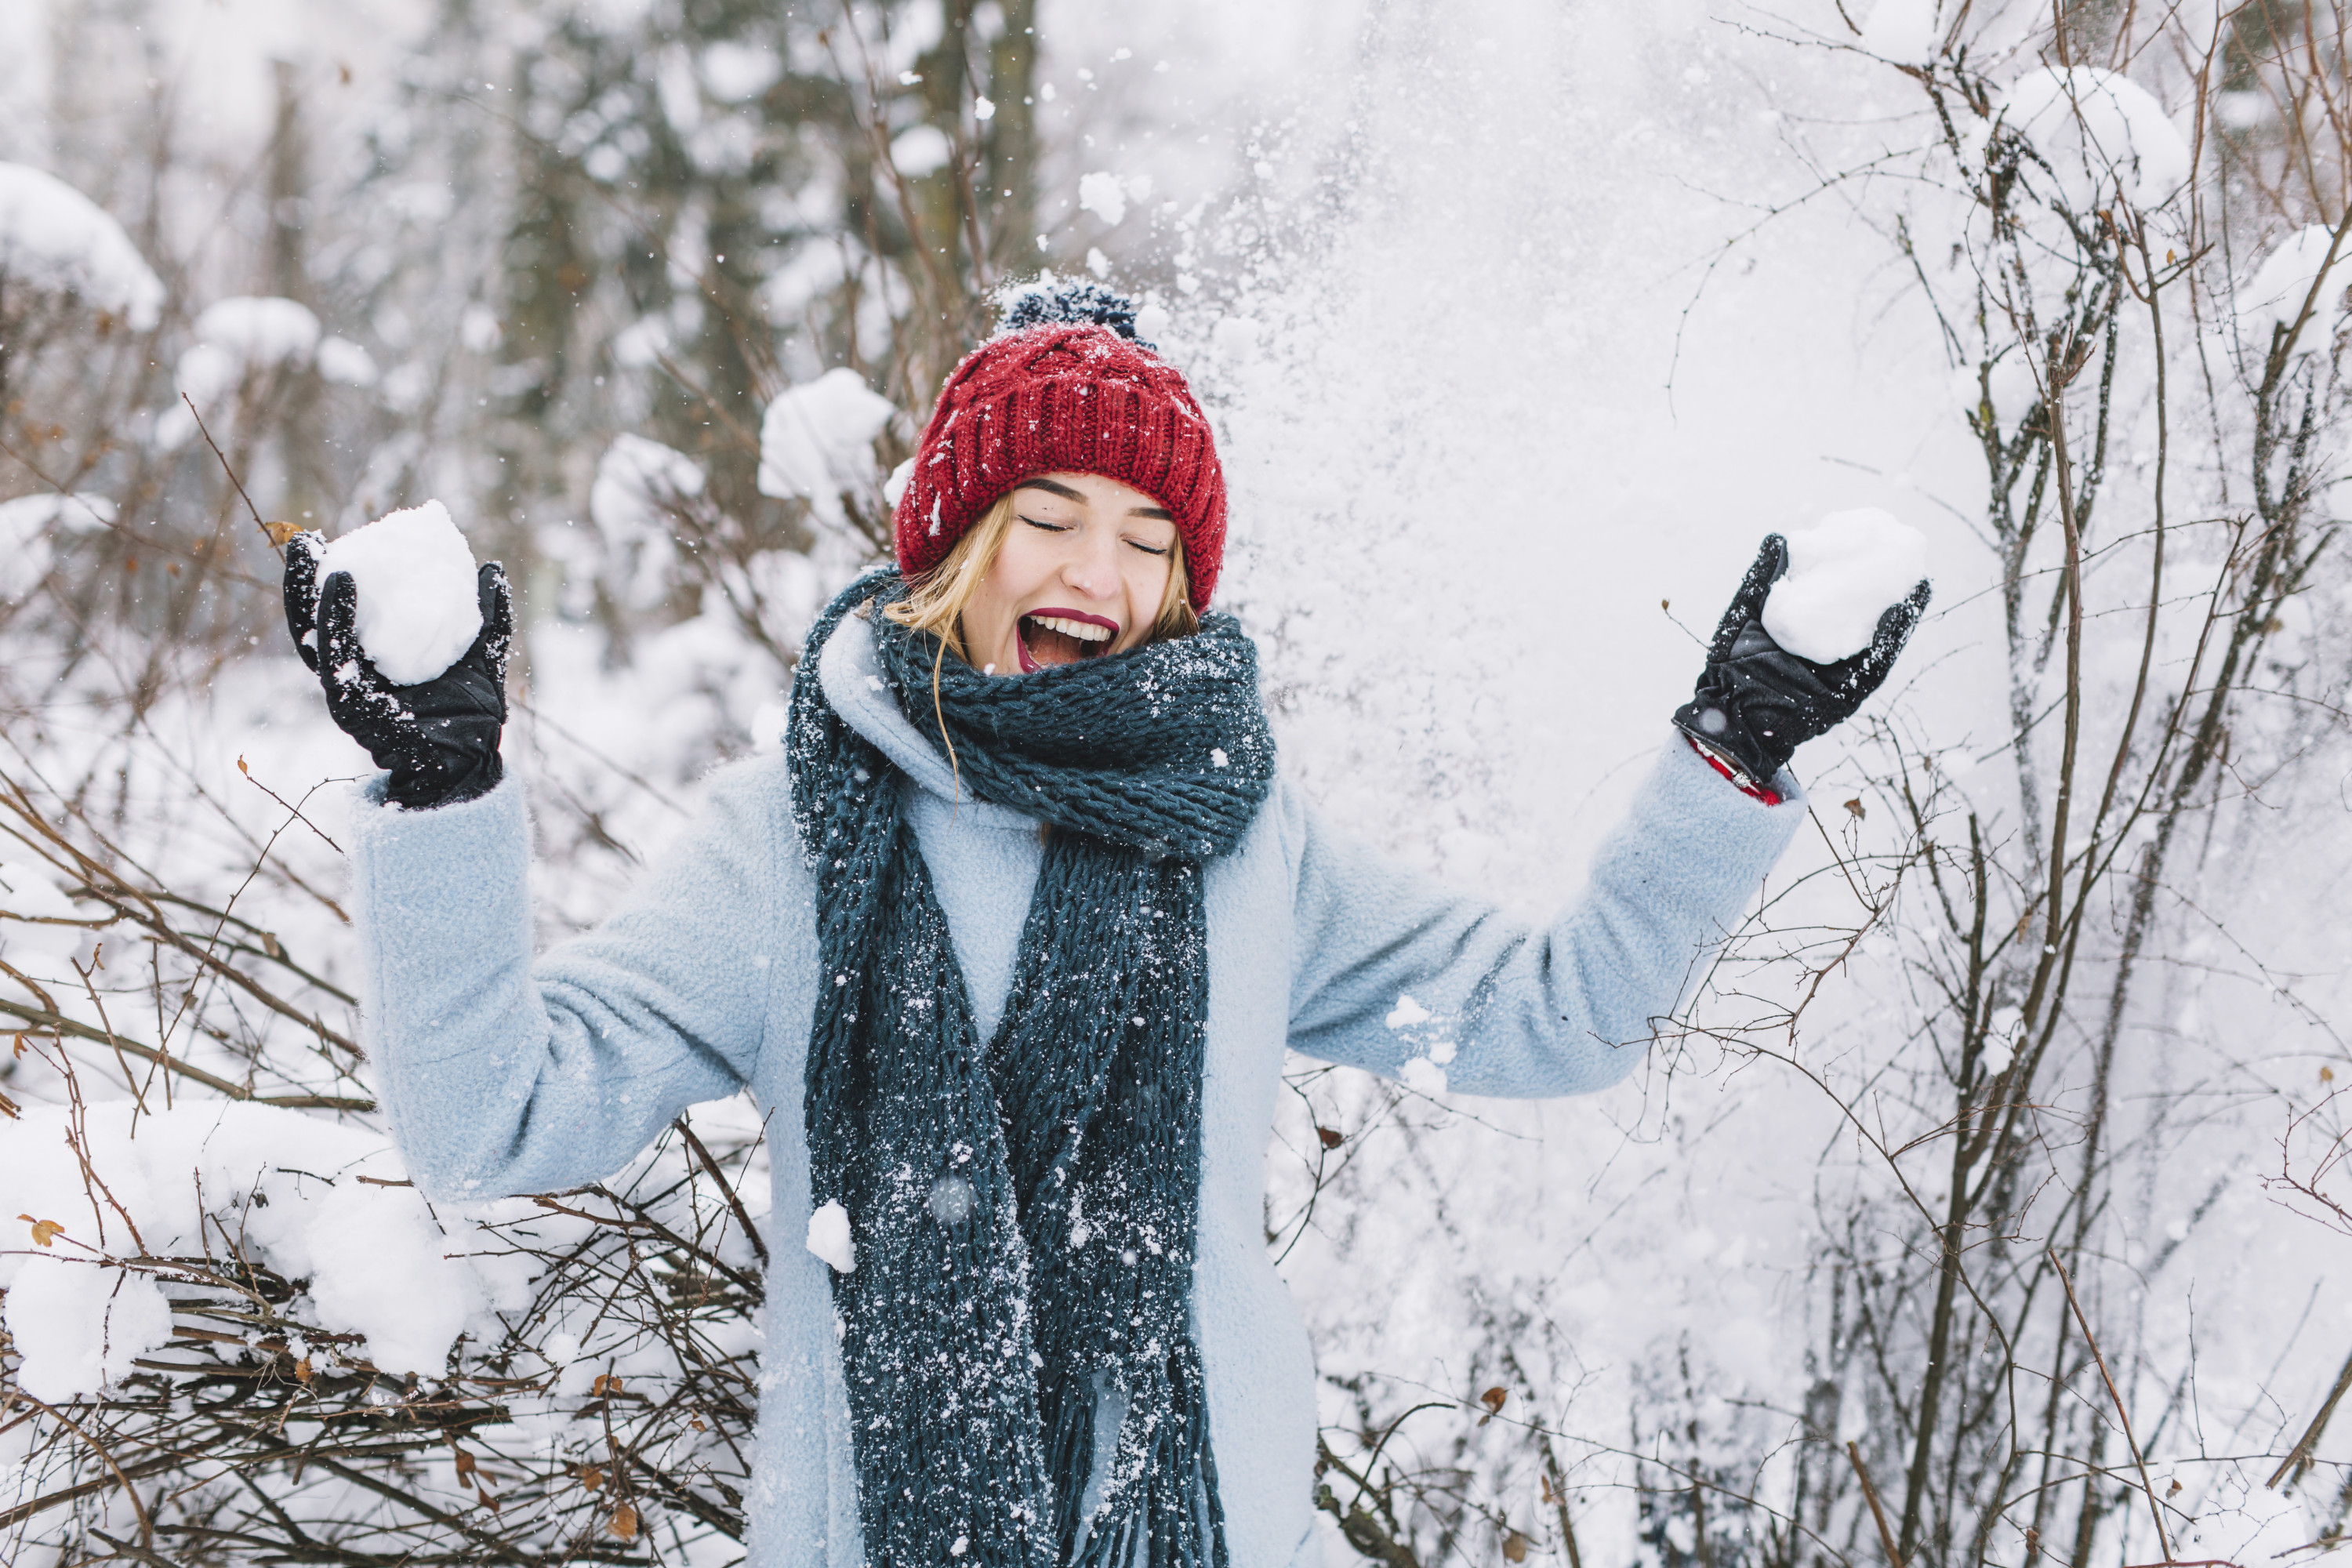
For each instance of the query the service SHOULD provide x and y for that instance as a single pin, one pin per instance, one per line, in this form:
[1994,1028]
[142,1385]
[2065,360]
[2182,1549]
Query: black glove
[439,739]
[1757,702]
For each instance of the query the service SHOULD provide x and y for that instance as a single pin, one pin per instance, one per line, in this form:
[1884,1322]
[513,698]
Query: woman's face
[1082,574]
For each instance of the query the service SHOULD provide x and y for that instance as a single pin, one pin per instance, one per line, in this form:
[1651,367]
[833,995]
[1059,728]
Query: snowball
[1903,31]
[1843,574]
[1101,195]
[828,1236]
[419,608]
[817,441]
[2273,297]
[54,237]
[2101,132]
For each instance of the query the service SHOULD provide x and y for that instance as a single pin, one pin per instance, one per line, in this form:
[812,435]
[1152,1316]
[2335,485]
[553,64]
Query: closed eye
[1041,523]
[1149,549]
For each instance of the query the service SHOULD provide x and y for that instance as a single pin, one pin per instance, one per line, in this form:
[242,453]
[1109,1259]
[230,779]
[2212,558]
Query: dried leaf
[1665,603]
[1547,1495]
[241,767]
[591,1476]
[303,1373]
[625,1522]
[269,944]
[45,1231]
[465,1463]
[1332,1136]
[1514,1547]
[1493,1400]
[2326,1074]
[1853,808]
[280,532]
[605,1383]
[490,1499]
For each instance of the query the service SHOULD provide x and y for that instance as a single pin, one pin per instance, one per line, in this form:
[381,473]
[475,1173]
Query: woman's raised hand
[1757,702]
[439,739]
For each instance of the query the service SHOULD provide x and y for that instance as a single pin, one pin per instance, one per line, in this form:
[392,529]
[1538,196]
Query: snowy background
[1523,323]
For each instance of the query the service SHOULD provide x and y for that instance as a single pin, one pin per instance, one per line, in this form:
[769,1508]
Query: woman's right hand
[439,739]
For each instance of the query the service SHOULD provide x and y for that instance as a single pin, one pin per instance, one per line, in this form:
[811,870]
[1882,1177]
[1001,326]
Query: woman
[1009,945]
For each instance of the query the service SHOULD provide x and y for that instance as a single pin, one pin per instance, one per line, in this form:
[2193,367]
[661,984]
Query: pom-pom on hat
[1065,387]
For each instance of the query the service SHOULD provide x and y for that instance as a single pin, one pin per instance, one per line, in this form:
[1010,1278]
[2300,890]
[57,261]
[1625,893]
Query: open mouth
[1056,636]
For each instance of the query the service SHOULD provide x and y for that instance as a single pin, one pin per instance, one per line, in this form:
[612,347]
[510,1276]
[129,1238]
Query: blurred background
[1985,1202]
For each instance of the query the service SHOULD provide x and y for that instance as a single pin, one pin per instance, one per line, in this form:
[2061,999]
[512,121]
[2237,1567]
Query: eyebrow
[1055,488]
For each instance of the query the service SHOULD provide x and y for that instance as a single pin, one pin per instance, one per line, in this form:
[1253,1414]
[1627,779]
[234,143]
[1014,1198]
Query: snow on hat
[1065,386]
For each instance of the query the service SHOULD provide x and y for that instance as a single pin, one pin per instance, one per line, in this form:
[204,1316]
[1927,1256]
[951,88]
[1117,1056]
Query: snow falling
[1521,325]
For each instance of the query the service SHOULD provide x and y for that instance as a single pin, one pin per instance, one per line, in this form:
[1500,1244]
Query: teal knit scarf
[1025,1208]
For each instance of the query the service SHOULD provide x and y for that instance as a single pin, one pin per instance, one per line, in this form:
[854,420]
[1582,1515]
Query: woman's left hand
[1757,702]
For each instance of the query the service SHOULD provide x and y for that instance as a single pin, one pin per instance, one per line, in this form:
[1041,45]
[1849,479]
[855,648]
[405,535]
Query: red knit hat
[1069,398]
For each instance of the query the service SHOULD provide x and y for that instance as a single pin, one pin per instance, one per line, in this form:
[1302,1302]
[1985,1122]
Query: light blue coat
[503,1074]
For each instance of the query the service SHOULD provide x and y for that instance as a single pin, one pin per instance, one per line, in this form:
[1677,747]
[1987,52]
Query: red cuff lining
[1757,791]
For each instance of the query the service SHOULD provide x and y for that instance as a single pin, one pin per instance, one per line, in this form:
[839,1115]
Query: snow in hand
[285,1185]
[53,238]
[828,1236]
[817,441]
[1843,574]
[419,609]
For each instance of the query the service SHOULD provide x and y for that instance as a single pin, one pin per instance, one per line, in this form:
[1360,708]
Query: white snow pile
[26,525]
[246,336]
[2104,134]
[419,606]
[828,1236]
[1904,31]
[1843,574]
[55,238]
[2273,297]
[81,1310]
[817,441]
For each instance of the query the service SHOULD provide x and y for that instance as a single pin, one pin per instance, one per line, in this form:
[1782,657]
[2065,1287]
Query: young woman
[1009,945]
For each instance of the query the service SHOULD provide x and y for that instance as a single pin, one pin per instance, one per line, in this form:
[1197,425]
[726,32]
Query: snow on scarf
[1024,1209]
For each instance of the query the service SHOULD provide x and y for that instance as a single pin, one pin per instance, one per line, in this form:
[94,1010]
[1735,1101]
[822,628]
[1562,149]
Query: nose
[1092,566]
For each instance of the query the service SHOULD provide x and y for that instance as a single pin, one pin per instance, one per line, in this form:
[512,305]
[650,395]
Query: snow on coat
[506,1076]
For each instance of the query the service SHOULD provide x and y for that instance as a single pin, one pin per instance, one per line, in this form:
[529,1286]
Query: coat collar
[851,674]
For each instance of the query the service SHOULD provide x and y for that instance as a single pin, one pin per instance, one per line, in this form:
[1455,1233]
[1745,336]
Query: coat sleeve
[501,1075]
[1393,973]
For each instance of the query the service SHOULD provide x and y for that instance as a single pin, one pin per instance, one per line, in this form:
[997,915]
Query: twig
[2155,1508]
[751,1231]
[277,536]
[1886,1536]
[2298,1458]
